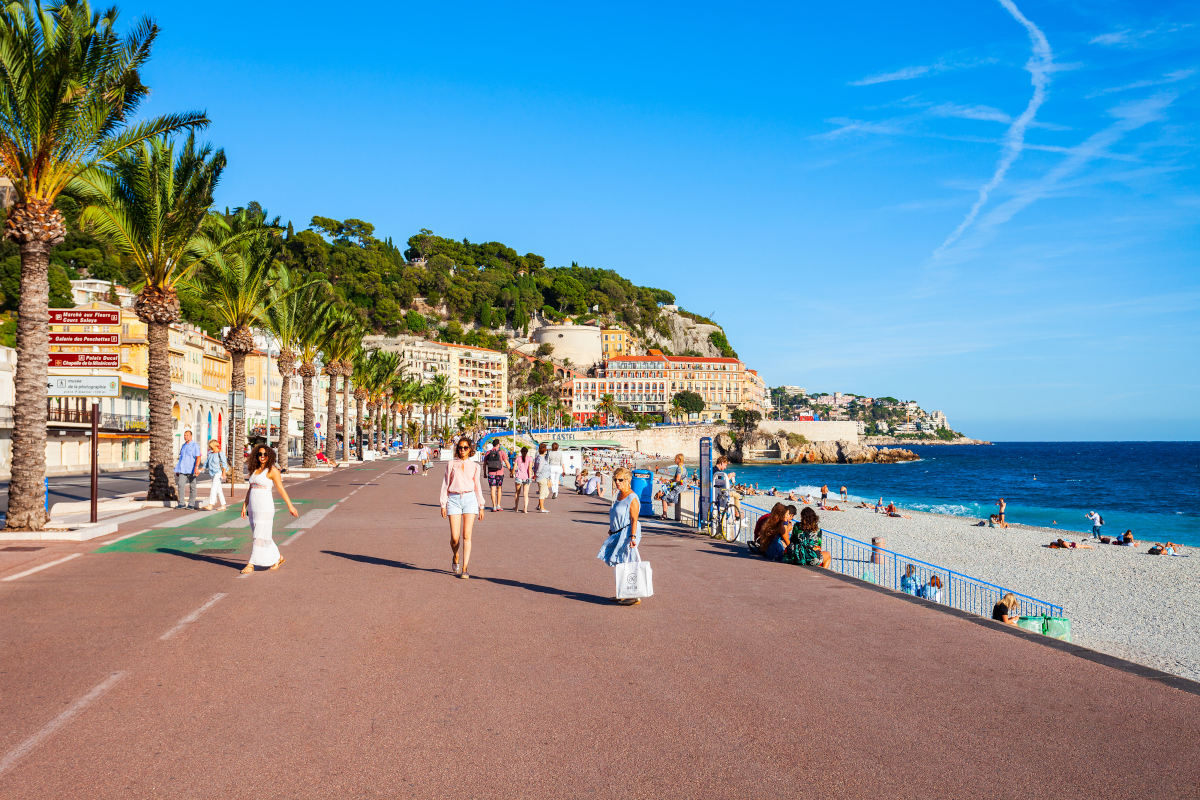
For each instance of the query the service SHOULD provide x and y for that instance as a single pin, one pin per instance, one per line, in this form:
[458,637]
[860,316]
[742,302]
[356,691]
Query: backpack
[492,459]
[1101,522]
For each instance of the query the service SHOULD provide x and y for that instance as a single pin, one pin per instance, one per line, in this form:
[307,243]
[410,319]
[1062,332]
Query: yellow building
[614,342]
[200,370]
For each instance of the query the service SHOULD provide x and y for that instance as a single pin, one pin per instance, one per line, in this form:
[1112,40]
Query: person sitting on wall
[1006,610]
[772,532]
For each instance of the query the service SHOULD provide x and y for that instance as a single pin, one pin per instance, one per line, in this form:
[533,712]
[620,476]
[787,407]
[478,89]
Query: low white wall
[832,431]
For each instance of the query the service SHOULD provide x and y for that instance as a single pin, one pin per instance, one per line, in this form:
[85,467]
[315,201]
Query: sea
[1150,488]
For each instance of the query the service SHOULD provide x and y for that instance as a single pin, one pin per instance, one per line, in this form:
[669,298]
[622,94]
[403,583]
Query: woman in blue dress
[624,532]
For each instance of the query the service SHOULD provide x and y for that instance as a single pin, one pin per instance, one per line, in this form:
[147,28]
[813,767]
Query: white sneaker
[543,511]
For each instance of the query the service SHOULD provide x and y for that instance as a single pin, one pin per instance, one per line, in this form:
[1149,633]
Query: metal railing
[873,564]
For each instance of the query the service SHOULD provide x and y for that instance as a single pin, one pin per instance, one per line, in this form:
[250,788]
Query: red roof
[694,359]
[638,358]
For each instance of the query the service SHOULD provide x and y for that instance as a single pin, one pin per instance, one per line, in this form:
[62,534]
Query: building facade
[614,343]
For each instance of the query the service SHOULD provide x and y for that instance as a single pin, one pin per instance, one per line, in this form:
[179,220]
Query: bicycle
[723,521]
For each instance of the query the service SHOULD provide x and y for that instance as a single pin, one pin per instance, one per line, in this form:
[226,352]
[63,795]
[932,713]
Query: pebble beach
[1120,600]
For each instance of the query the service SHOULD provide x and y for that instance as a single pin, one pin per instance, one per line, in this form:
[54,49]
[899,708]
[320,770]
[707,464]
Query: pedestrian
[541,473]
[845,497]
[669,494]
[555,457]
[1097,523]
[1000,515]
[824,494]
[423,456]
[522,474]
[496,463]
[624,532]
[259,505]
[461,499]
[216,465]
[185,472]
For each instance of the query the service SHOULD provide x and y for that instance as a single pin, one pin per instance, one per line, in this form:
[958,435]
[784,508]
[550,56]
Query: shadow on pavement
[382,562]
[536,587]
[221,562]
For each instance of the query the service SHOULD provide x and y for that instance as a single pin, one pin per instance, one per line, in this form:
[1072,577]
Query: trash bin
[642,485]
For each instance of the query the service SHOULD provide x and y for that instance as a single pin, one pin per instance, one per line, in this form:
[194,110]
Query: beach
[1120,600]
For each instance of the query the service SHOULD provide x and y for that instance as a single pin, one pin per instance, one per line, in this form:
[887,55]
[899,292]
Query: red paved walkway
[362,669]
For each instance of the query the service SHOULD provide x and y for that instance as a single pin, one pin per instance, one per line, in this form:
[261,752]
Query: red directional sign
[84,316]
[99,360]
[112,339]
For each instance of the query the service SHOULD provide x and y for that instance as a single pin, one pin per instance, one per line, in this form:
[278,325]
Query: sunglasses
[463,449]
[263,455]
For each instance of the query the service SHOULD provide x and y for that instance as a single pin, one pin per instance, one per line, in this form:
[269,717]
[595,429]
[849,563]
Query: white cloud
[1040,64]
[982,113]
[1127,37]
[906,74]
[845,127]
[1171,77]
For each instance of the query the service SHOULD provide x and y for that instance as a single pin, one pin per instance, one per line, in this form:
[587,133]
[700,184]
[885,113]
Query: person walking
[496,463]
[1097,523]
[461,500]
[216,465]
[522,474]
[259,505]
[624,533]
[541,473]
[185,472]
[1000,516]
[555,457]
[845,497]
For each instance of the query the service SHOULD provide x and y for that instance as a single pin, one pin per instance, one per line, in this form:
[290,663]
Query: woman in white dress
[261,507]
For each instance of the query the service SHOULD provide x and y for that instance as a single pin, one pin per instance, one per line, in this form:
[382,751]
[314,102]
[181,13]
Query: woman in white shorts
[461,500]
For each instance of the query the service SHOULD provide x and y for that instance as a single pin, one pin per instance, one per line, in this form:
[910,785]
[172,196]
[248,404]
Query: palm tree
[68,85]
[346,368]
[361,373]
[414,430]
[676,411]
[429,400]
[609,408]
[312,334]
[343,334]
[153,207]
[236,286]
[408,395]
[283,319]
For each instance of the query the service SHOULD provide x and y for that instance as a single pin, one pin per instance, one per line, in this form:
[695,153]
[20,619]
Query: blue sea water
[1151,488]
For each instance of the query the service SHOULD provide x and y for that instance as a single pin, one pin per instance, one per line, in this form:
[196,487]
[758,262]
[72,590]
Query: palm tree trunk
[331,416]
[237,383]
[310,417]
[358,421]
[287,366]
[26,498]
[162,446]
[347,429]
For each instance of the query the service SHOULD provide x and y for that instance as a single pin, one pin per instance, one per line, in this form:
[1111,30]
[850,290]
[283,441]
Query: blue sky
[990,207]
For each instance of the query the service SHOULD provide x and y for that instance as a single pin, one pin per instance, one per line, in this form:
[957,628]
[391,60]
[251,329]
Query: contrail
[1039,65]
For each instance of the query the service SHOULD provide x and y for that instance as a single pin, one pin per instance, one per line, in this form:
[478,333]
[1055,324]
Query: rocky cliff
[685,334]
[793,451]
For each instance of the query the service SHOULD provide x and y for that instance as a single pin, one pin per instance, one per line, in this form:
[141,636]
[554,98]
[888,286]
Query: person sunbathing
[1167,549]
[1063,544]
[863,504]
[892,511]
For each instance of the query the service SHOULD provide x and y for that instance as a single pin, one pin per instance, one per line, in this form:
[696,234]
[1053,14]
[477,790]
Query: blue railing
[883,567]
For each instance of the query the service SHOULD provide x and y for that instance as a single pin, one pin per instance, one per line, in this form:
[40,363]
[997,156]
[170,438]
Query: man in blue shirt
[185,471]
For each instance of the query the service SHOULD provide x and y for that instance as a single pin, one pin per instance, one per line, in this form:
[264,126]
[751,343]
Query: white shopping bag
[634,579]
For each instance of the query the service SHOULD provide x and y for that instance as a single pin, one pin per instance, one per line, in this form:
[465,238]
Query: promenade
[147,667]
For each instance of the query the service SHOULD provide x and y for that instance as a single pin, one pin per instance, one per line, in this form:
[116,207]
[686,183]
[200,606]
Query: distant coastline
[892,441]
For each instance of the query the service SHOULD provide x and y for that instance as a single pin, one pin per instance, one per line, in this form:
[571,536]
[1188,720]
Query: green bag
[1033,624]
[1057,628]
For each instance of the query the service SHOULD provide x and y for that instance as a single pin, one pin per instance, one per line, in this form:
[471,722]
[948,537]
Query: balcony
[121,423]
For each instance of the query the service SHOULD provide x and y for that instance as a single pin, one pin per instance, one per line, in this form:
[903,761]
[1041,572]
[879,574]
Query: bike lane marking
[41,567]
[50,728]
[192,617]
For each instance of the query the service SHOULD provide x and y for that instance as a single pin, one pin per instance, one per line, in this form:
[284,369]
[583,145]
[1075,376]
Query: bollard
[877,542]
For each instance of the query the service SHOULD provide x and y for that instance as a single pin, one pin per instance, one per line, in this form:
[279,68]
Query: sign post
[95,461]
[705,471]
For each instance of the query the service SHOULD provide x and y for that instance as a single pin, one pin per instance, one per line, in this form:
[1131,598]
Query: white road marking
[312,518]
[41,567]
[292,538]
[236,522]
[52,727]
[192,617]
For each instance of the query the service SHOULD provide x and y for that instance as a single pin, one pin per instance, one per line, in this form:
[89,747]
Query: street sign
[84,316]
[83,386]
[98,360]
[101,339]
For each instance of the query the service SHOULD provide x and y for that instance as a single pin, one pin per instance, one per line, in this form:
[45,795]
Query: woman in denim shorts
[461,500]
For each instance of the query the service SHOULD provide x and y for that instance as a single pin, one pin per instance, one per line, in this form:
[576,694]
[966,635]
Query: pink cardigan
[461,480]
